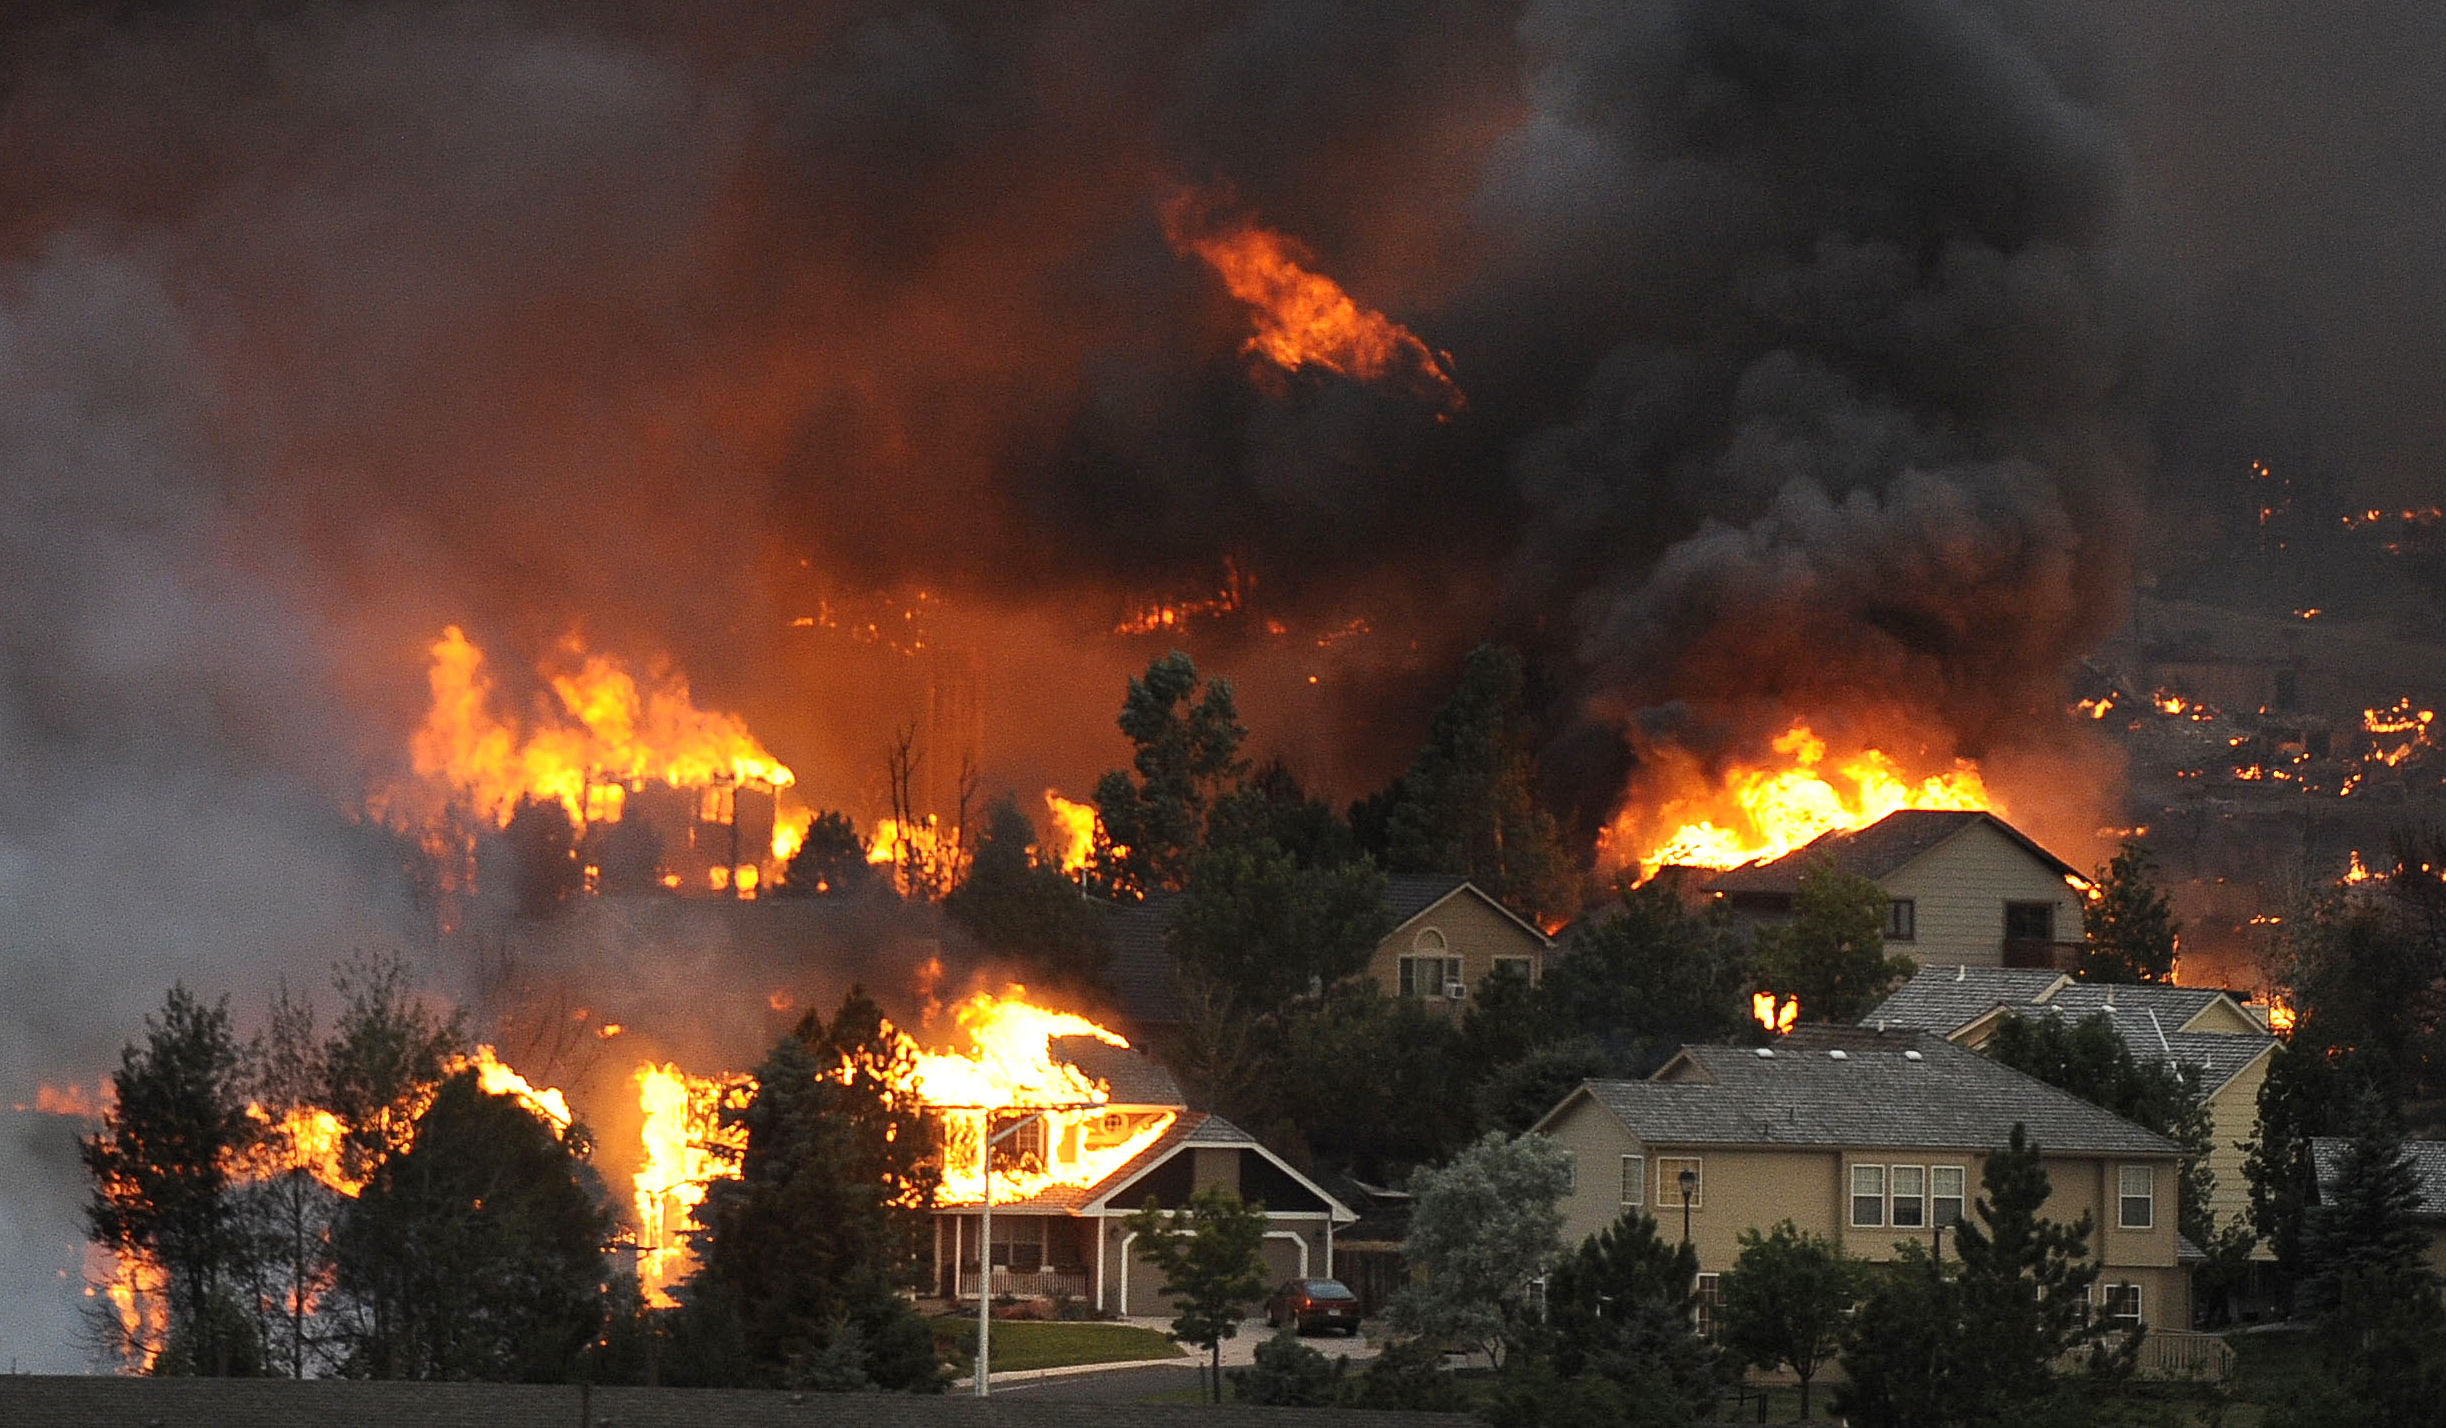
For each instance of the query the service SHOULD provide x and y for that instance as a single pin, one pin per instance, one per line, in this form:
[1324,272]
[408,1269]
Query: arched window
[1429,943]
[1429,971]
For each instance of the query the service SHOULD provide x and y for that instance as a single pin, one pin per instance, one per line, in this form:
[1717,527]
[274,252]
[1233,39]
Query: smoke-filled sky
[1823,357]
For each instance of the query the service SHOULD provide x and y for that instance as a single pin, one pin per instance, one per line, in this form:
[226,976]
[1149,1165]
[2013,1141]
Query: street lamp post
[985,1236]
[1689,1181]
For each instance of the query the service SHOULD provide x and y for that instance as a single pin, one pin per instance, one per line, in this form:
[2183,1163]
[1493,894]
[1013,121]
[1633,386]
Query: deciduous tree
[1210,1254]
[1785,1301]
[1481,1227]
[1832,954]
[1254,921]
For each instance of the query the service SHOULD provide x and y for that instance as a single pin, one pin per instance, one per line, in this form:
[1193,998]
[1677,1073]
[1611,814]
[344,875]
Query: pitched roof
[1855,1086]
[1875,851]
[1406,895]
[1197,1128]
[311,1403]
[1130,1076]
[1944,1000]
[2428,1160]
[1142,970]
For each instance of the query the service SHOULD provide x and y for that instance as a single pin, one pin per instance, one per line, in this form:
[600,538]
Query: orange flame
[1303,318]
[1763,812]
[1774,1018]
[1006,1065]
[1074,832]
[610,735]
[2280,1015]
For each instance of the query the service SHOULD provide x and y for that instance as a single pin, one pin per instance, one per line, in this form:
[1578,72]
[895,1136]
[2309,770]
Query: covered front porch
[1033,1256]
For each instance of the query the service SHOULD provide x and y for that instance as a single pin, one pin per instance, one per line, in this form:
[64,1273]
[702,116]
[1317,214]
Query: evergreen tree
[1273,807]
[2024,1283]
[478,1251]
[2295,1103]
[385,1055]
[1210,1254]
[160,1165]
[1832,954]
[1651,969]
[1468,806]
[1023,907]
[1621,1308]
[830,861]
[2362,1239]
[1410,1107]
[1258,924]
[2129,931]
[1187,741]
[1289,1374]
[1786,1300]
[1902,1359]
[800,1252]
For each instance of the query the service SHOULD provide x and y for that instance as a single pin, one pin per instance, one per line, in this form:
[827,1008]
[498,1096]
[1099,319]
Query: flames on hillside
[1000,1062]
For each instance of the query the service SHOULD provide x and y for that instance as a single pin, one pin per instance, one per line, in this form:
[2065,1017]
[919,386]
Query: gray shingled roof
[1132,1077]
[1142,969]
[1946,999]
[1409,894]
[1872,852]
[1873,1095]
[2428,1159]
[105,1402]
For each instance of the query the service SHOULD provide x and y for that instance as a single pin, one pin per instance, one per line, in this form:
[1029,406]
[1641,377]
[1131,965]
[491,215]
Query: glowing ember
[1761,811]
[1775,1018]
[1303,318]
[1074,831]
[2356,872]
[611,735]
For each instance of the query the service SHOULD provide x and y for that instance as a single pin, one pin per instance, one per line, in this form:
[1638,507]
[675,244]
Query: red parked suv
[1314,1304]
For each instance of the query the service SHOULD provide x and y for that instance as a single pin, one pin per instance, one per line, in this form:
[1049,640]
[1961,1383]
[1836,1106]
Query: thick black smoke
[1814,351]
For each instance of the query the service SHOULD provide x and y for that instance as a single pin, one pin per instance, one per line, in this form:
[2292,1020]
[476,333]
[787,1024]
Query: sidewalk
[1239,1351]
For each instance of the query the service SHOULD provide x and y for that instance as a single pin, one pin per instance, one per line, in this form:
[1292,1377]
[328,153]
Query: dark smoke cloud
[1799,339]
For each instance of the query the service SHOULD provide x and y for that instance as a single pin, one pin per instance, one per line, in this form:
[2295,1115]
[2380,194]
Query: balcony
[2034,952]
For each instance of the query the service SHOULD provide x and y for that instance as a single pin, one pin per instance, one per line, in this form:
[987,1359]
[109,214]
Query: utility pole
[987,1139]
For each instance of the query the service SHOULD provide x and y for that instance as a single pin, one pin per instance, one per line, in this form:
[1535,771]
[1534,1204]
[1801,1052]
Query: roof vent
[1838,1054]
[1764,1053]
[1912,1056]
[1961,971]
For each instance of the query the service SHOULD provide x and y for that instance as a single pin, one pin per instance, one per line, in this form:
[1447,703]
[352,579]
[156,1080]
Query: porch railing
[1027,1283]
[2173,1354]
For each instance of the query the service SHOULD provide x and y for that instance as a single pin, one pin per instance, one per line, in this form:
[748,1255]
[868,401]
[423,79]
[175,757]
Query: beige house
[1069,1240]
[1448,938]
[2202,1027]
[1870,1139]
[1961,888]
[2428,1161]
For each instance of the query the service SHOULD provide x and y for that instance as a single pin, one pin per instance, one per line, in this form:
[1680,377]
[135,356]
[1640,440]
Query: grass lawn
[1028,1344]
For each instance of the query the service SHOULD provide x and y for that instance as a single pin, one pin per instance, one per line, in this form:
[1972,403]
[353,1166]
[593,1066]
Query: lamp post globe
[1689,1181]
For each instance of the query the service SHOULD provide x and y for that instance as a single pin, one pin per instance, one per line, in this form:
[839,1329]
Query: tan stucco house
[2203,1027]
[1961,888]
[1069,1240]
[1448,938]
[1868,1138]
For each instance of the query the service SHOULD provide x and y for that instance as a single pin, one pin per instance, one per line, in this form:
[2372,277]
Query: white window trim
[1894,1197]
[1961,1201]
[2140,1302]
[1669,1188]
[1634,1179]
[2124,1199]
[1852,1177]
[1706,1302]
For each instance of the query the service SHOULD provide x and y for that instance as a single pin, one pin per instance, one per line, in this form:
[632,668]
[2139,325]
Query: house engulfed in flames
[1110,1129]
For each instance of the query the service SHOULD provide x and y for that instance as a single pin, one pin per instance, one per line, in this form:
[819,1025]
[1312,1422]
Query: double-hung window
[1634,1179]
[2119,1305]
[1669,1181]
[1427,976]
[1901,919]
[1708,1303]
[2136,1197]
[1868,1194]
[1946,1184]
[1909,1187]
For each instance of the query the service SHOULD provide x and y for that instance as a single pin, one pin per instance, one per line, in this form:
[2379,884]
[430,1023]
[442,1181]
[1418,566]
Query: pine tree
[830,861]
[162,1192]
[1023,907]
[1469,807]
[2129,931]
[1187,741]
[1620,1308]
[2362,1240]
[2024,1283]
